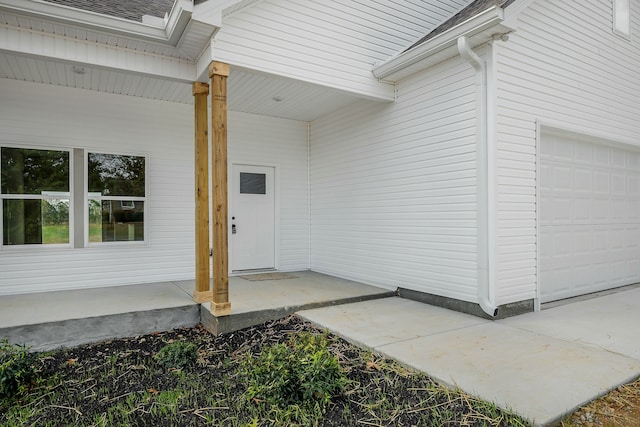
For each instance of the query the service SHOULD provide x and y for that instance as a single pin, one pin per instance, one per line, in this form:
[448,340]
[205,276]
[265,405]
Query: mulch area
[83,385]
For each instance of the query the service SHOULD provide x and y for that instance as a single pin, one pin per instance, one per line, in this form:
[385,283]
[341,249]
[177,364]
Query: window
[622,17]
[253,183]
[38,188]
[35,194]
[116,197]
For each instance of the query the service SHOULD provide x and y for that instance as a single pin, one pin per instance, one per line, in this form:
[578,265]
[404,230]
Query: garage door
[589,216]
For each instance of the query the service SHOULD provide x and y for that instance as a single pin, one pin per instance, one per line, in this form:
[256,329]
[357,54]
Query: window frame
[53,196]
[88,196]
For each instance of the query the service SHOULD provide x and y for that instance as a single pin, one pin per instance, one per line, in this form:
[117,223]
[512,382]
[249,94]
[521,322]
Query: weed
[177,355]
[16,369]
[301,373]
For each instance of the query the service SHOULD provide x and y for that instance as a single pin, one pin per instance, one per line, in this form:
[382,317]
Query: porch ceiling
[276,96]
[52,44]
[248,91]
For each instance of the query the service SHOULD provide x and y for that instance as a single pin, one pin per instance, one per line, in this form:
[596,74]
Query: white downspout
[484,283]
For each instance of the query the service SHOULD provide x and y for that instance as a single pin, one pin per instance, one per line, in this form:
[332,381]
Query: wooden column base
[202,296]
[221,309]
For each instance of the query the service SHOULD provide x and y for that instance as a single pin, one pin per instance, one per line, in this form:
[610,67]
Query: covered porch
[49,320]
[144,103]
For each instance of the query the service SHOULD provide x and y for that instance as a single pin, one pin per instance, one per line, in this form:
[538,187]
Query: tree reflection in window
[34,188]
[28,171]
[116,185]
[116,175]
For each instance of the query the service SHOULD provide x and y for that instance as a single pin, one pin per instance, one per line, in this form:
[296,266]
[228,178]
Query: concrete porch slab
[48,320]
[256,302]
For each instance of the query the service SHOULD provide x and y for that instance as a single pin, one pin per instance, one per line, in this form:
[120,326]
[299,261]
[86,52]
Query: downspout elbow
[483,300]
[483,289]
[469,55]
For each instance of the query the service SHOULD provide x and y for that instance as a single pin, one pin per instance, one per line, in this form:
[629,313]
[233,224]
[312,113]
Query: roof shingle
[127,9]
[472,9]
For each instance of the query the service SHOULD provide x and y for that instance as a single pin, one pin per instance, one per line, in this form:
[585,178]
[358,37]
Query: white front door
[252,217]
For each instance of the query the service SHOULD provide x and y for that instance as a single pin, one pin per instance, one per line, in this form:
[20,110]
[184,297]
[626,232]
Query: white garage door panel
[589,217]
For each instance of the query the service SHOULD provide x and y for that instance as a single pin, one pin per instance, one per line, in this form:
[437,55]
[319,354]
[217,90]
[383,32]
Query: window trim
[40,246]
[90,196]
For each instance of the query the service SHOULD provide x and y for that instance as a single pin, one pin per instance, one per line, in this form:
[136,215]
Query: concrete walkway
[541,365]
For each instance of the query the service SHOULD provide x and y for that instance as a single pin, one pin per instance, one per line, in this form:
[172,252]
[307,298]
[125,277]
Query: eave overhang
[169,31]
[478,29]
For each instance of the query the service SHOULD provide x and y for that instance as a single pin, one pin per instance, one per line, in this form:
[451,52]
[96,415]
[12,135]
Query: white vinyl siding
[563,67]
[332,43]
[393,187]
[51,116]
[261,140]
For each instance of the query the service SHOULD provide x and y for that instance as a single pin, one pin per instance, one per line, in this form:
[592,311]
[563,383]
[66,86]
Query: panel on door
[589,216]
[252,231]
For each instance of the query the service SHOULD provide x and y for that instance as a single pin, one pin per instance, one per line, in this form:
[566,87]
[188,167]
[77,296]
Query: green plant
[301,372]
[16,368]
[177,355]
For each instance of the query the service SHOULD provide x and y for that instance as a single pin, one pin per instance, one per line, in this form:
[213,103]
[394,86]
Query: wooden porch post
[202,292]
[218,72]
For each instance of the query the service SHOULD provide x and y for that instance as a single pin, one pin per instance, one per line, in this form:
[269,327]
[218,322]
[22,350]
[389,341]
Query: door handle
[233,229]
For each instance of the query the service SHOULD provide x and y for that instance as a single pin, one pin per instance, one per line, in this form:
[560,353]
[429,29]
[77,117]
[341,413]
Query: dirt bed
[118,383]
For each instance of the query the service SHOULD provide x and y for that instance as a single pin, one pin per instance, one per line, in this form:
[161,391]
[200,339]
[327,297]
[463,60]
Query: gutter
[443,43]
[484,146]
[169,33]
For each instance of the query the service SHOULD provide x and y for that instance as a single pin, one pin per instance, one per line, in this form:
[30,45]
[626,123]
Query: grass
[619,408]
[56,234]
[121,383]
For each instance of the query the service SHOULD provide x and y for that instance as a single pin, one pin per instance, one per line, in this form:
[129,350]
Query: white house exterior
[479,155]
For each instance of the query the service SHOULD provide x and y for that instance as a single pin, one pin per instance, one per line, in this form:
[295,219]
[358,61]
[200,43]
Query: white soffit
[248,92]
[25,68]
[275,96]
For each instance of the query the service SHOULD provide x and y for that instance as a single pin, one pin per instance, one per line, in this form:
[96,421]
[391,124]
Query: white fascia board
[170,34]
[391,70]
[202,63]
[178,20]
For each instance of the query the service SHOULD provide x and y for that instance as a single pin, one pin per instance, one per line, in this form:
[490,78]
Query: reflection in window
[34,188]
[116,175]
[120,223]
[253,183]
[116,197]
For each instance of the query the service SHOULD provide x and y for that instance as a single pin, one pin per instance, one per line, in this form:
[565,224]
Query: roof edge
[490,17]
[174,25]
